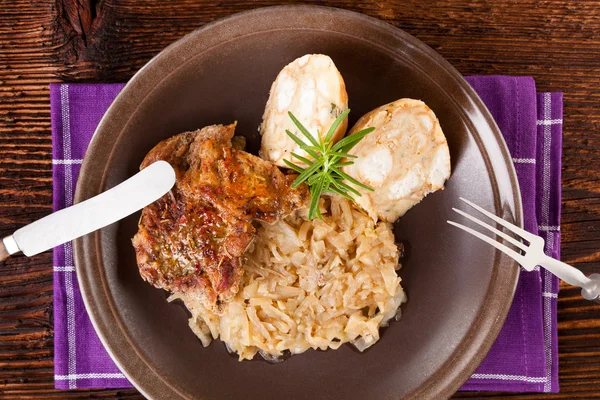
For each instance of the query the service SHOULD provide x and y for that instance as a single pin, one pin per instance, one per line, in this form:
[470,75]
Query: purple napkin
[524,357]
[80,360]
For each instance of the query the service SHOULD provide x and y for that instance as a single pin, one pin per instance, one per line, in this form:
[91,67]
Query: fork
[532,252]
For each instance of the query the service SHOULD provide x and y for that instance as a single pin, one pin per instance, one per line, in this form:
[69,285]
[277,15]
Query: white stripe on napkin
[548,228]
[547,123]
[510,377]
[74,377]
[69,268]
[66,162]
[71,337]
[524,160]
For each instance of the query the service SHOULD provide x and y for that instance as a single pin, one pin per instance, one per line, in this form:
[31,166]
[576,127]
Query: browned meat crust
[192,239]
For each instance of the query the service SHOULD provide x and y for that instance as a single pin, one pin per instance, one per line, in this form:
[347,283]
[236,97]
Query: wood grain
[42,41]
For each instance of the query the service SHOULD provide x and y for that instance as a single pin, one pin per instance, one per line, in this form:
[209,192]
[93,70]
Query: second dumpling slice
[405,158]
[312,88]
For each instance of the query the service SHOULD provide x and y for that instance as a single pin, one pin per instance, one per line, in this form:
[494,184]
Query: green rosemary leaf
[315,192]
[351,179]
[303,159]
[309,149]
[295,138]
[335,125]
[323,173]
[302,129]
[294,166]
[341,154]
[326,183]
[348,188]
[335,188]
[313,179]
[307,173]
[352,139]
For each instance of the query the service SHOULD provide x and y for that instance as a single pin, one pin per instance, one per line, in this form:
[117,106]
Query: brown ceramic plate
[459,290]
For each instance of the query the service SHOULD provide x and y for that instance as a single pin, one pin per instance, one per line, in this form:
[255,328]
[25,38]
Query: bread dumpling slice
[404,159]
[312,88]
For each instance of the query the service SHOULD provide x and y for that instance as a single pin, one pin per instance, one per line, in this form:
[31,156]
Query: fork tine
[515,229]
[503,235]
[508,251]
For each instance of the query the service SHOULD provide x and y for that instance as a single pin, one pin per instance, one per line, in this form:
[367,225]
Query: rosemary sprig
[323,172]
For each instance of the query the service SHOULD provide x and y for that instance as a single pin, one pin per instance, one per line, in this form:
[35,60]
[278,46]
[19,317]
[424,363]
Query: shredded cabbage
[309,284]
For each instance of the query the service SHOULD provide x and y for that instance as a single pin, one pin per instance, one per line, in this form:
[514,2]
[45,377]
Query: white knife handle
[114,204]
[4,254]
[8,247]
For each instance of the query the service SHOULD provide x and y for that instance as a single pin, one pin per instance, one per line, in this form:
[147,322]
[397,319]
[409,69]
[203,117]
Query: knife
[67,224]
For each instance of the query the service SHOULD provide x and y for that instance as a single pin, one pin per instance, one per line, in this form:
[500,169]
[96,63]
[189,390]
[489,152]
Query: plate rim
[466,357]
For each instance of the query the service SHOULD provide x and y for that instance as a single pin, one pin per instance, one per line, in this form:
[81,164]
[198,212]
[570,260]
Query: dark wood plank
[42,41]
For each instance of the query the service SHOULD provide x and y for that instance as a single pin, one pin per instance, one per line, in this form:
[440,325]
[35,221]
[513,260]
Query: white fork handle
[567,273]
[592,291]
[590,286]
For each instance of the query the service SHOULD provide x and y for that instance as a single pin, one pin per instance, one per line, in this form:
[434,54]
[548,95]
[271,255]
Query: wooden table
[42,41]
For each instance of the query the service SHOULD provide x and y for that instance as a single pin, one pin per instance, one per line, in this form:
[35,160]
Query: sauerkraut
[309,284]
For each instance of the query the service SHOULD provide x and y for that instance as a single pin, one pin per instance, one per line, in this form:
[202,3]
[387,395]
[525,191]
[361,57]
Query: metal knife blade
[143,188]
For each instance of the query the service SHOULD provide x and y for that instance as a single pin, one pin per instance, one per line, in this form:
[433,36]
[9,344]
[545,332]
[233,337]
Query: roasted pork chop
[192,240]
